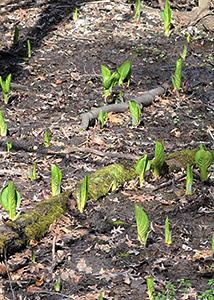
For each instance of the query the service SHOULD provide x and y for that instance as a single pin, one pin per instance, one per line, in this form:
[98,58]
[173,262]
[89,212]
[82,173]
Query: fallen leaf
[114,118]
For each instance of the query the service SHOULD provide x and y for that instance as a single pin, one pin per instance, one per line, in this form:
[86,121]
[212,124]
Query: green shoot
[32,255]
[5,87]
[203,160]
[3,126]
[83,194]
[189,181]
[100,297]
[114,185]
[159,158]
[142,165]
[47,139]
[184,54]
[58,283]
[142,224]
[166,17]
[29,48]
[176,78]
[135,112]
[110,81]
[188,38]
[101,118]
[138,9]
[16,36]
[213,246]
[150,287]
[33,172]
[168,235]
[9,146]
[10,200]
[56,180]
[75,14]
[125,72]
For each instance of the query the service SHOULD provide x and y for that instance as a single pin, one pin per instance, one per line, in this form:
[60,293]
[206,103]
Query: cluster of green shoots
[5,85]
[169,292]
[111,80]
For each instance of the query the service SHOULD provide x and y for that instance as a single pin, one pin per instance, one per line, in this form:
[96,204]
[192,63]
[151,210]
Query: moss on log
[33,225]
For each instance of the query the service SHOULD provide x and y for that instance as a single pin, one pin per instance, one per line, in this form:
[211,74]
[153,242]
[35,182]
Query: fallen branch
[143,101]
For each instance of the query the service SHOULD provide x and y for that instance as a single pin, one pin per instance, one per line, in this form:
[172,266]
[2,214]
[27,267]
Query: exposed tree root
[143,101]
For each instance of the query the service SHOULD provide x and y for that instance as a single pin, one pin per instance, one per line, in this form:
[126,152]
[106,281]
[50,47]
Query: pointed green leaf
[56,180]
[105,73]
[189,181]
[159,158]
[83,194]
[135,112]
[124,71]
[150,286]
[3,126]
[142,224]
[10,199]
[176,78]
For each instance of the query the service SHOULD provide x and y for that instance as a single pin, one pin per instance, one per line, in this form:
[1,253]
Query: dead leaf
[82,267]
[58,81]
[97,140]
[202,254]
[114,118]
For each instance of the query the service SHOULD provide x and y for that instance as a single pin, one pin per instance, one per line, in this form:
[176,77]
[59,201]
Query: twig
[73,149]
[168,183]
[8,274]
[54,253]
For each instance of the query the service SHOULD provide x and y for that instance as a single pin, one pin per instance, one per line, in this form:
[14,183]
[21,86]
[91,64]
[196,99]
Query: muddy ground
[98,251]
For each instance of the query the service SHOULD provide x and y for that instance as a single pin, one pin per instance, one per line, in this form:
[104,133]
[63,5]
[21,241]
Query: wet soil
[99,250]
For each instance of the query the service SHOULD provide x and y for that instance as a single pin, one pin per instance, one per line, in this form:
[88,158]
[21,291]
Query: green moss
[122,255]
[100,181]
[119,223]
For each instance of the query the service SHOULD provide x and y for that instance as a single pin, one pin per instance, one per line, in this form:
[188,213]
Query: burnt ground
[98,250]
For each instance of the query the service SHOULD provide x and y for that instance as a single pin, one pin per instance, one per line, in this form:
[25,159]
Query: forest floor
[98,251]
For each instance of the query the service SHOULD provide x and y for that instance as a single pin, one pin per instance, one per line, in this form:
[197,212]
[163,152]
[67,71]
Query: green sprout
[75,16]
[33,172]
[203,160]
[100,297]
[29,48]
[10,200]
[110,81]
[114,185]
[32,255]
[9,146]
[58,283]
[189,181]
[142,224]
[16,36]
[142,165]
[56,180]
[168,235]
[159,158]
[83,194]
[5,87]
[150,287]
[188,38]
[138,9]
[101,118]
[135,112]
[3,126]
[47,139]
[166,17]
[184,54]
[176,78]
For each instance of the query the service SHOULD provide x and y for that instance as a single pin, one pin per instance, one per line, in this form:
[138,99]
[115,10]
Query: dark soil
[99,250]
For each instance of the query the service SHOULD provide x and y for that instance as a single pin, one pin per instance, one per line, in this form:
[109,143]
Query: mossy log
[33,225]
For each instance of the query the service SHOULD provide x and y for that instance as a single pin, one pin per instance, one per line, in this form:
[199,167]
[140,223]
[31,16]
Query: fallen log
[33,225]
